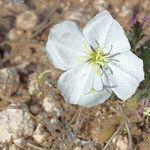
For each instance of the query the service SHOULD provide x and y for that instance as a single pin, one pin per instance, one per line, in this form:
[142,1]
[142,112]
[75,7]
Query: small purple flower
[135,20]
[144,19]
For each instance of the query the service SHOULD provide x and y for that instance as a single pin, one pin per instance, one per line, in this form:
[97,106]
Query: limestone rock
[15,123]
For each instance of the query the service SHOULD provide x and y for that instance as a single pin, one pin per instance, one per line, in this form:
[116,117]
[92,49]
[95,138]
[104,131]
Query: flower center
[97,57]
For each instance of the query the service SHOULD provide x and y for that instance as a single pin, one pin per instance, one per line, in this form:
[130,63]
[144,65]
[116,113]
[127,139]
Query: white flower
[97,61]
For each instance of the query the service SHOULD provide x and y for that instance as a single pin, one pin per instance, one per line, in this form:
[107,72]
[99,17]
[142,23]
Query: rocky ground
[33,114]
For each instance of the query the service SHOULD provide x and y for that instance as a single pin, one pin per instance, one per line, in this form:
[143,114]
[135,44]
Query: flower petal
[107,32]
[65,45]
[116,40]
[127,75]
[76,87]
[131,64]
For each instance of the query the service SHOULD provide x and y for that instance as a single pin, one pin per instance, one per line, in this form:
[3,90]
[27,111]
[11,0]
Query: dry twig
[35,146]
[7,99]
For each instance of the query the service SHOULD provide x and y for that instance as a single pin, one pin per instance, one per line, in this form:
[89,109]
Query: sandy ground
[33,114]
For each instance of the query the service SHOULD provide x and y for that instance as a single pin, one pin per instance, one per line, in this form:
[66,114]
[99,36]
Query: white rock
[50,106]
[13,147]
[40,135]
[21,142]
[9,81]
[121,142]
[15,123]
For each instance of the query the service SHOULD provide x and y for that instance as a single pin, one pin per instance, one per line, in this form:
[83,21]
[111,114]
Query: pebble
[9,81]
[15,34]
[40,135]
[21,142]
[26,20]
[51,107]
[15,123]
[34,109]
[121,142]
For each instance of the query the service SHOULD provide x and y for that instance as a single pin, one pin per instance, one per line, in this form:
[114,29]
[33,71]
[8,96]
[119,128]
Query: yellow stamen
[97,57]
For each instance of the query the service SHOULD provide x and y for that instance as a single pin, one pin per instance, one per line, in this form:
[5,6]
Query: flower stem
[128,126]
